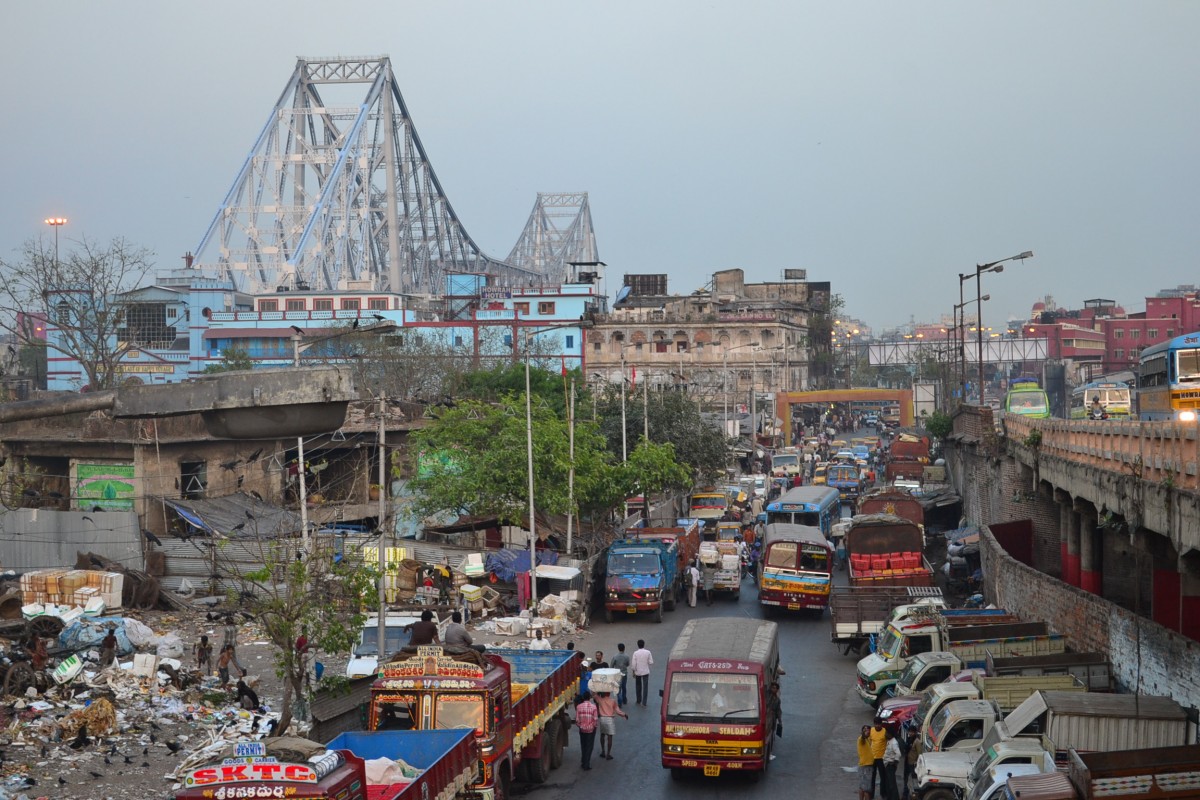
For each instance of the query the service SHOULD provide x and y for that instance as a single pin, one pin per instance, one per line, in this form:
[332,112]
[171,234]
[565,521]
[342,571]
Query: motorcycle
[1097,414]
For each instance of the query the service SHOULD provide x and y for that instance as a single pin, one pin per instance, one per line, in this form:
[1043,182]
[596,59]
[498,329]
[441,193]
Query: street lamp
[725,351]
[56,223]
[960,310]
[991,266]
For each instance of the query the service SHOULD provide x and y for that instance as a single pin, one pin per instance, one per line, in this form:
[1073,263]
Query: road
[821,715]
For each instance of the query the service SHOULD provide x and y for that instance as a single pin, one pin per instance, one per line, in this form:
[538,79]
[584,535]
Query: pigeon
[89,519]
[151,537]
[112,751]
[81,739]
[174,747]
[62,781]
[254,456]
[145,764]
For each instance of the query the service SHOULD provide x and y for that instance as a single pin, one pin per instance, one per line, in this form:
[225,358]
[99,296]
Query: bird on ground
[112,751]
[151,537]
[108,761]
[379,317]
[81,739]
[153,739]
[145,751]
[154,725]
[62,781]
[128,760]
[145,764]
[174,747]
[89,519]
[354,325]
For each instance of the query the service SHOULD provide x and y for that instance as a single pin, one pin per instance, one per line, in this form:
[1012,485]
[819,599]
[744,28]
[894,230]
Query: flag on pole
[633,380]
[563,359]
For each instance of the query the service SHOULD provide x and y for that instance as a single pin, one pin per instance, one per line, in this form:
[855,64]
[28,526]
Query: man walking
[586,717]
[621,661]
[607,706]
[641,662]
[693,584]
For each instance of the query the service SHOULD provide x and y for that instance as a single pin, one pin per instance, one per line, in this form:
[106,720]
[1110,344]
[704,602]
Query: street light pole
[56,223]
[624,444]
[993,266]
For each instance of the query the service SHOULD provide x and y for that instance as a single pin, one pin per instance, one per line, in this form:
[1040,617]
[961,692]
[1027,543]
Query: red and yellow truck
[515,701]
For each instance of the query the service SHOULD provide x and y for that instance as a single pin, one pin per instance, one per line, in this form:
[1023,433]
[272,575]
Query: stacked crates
[74,587]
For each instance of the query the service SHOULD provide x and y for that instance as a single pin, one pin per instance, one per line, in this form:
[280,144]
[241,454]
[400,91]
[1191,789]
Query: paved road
[821,716]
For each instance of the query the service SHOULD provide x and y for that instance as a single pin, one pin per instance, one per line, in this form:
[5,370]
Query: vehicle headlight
[1187,416]
[674,748]
[752,751]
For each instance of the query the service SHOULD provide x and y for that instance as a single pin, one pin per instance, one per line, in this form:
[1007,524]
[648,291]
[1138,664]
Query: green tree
[232,360]
[939,424]
[290,594]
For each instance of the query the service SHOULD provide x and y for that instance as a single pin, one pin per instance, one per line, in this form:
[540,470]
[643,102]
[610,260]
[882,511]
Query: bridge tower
[337,193]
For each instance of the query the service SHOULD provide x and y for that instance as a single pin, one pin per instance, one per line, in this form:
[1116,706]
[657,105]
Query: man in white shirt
[693,584]
[640,663]
[538,642]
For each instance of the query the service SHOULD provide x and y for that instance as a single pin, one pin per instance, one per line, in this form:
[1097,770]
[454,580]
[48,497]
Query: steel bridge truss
[341,197]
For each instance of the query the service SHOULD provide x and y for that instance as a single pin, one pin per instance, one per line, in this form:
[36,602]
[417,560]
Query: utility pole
[382,443]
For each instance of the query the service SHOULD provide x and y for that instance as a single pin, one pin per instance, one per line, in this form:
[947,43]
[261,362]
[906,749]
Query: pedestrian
[878,737]
[692,578]
[891,757]
[708,578]
[247,698]
[606,704]
[230,632]
[456,633]
[227,658]
[538,642]
[866,765]
[598,662]
[108,649]
[641,661]
[621,661]
[586,719]
[912,751]
[203,652]
[38,655]
[424,631]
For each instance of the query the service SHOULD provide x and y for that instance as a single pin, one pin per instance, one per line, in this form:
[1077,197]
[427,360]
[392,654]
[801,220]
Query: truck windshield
[459,711]
[368,642]
[987,757]
[785,461]
[633,564]
[927,699]
[939,724]
[889,643]
[698,696]
[908,678]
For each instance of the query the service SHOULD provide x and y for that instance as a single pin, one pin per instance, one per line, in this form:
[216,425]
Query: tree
[674,419]
[79,295]
[473,459]
[939,424]
[233,359]
[319,595]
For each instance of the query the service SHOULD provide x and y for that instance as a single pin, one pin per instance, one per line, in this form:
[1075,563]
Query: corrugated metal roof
[726,637]
[236,515]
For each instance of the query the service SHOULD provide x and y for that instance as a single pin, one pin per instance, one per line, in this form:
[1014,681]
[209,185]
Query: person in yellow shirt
[879,739]
[866,765]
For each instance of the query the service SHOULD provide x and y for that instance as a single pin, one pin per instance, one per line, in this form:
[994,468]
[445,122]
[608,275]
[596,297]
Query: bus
[1113,396]
[818,506]
[797,568]
[721,698]
[1168,383]
[1027,398]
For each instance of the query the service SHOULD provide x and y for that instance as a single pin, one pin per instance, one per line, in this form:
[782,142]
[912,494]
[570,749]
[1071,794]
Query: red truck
[515,701]
[886,550]
[447,760]
[907,457]
[889,500]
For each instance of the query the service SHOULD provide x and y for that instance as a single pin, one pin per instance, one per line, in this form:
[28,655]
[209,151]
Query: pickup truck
[971,643]
[886,550]
[951,776]
[859,613]
[644,571]
[515,702]
[443,766]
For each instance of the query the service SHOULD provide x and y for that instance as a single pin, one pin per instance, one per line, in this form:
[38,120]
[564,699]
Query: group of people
[879,754]
[596,713]
[227,661]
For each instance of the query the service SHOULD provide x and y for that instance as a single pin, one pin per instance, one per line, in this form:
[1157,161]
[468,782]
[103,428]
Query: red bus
[721,697]
[797,568]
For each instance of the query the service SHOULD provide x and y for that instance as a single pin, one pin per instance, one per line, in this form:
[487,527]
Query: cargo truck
[1094,669]
[443,765]
[886,550]
[971,643]
[1152,773]
[952,723]
[889,500]
[952,776]
[644,571]
[859,613]
[515,701]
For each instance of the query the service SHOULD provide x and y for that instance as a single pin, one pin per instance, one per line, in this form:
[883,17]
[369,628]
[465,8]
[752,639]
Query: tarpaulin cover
[86,633]
[505,564]
[236,515]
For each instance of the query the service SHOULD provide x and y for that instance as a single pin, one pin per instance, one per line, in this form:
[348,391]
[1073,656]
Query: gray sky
[885,147]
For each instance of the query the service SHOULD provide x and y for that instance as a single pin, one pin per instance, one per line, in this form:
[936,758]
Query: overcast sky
[885,147]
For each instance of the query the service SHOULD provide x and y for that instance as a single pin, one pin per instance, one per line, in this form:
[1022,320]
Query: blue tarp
[505,564]
[88,632]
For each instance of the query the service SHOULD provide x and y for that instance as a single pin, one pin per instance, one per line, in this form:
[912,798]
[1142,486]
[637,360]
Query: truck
[844,478]
[908,456]
[514,701]
[971,643]
[445,763]
[996,783]
[886,550]
[890,500]
[859,613]
[1152,772]
[644,571]
[708,506]
[1087,721]
[1094,669]
[950,724]
[953,775]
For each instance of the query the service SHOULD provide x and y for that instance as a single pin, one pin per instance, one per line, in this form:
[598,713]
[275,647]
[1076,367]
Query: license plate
[631,611]
[712,770]
[793,606]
